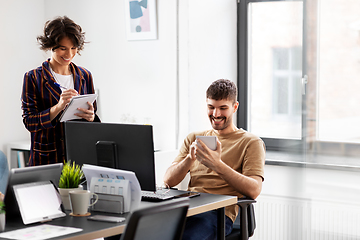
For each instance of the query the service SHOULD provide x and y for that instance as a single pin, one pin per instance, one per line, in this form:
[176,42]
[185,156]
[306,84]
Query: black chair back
[245,228]
[162,221]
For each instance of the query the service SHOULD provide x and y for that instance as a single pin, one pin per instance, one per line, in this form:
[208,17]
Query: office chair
[247,225]
[162,221]
[4,172]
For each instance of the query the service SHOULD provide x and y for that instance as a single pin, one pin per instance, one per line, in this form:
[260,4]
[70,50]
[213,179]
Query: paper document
[76,102]
[40,232]
[91,171]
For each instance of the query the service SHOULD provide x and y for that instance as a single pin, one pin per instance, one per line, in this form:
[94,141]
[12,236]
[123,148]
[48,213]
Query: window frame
[340,154]
[276,144]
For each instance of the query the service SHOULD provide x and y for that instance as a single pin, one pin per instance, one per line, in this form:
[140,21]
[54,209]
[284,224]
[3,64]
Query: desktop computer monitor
[121,146]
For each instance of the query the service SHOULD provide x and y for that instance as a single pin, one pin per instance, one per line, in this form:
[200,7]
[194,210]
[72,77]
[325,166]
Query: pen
[60,86]
[57,84]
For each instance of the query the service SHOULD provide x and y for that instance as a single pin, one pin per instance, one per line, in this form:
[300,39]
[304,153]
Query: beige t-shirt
[241,150]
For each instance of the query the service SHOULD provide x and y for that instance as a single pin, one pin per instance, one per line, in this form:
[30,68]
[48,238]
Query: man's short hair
[222,89]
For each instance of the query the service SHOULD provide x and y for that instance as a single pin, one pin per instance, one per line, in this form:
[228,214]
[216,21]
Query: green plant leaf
[2,207]
[71,175]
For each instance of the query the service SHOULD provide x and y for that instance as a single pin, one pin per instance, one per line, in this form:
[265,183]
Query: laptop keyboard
[155,196]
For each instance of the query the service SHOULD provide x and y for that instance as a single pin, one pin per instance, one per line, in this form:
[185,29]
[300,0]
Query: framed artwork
[141,19]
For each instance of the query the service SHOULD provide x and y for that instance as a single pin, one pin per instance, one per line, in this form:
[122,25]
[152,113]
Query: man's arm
[178,170]
[249,186]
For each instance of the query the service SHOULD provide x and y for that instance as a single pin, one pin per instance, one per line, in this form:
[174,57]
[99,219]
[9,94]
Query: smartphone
[104,218]
[209,141]
[188,194]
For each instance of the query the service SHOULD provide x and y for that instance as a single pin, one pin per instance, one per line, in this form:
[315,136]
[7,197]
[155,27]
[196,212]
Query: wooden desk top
[94,229]
[205,202]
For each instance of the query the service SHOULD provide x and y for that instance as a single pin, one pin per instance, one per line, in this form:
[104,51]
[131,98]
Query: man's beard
[225,122]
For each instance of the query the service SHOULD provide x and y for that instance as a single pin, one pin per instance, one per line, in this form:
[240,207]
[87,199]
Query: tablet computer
[50,172]
[38,201]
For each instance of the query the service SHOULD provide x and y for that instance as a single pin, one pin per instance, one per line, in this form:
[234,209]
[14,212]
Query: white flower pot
[2,222]
[64,193]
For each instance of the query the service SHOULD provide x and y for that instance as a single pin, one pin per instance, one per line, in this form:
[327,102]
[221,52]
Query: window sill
[319,161]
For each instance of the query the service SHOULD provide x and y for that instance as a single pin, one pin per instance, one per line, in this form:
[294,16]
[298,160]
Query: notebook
[76,102]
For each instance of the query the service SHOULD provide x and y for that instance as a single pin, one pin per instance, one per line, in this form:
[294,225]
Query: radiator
[284,218]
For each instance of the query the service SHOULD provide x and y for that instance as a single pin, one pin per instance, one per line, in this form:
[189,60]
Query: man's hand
[247,185]
[208,157]
[177,171]
[192,151]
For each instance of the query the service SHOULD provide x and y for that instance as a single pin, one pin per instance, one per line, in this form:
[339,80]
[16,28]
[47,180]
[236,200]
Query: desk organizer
[114,195]
[108,203]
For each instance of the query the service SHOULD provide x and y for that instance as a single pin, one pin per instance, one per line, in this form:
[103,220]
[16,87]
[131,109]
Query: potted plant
[2,216]
[70,179]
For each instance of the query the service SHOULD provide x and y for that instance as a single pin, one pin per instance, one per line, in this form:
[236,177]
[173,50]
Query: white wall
[208,51]
[137,80]
[308,203]
[20,22]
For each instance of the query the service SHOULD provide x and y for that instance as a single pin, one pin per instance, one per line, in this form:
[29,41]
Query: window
[338,72]
[286,84]
[299,66]
[273,63]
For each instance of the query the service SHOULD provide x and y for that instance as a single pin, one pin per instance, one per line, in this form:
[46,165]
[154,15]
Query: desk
[91,229]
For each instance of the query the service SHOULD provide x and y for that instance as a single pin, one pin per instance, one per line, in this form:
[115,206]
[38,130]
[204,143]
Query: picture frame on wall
[141,19]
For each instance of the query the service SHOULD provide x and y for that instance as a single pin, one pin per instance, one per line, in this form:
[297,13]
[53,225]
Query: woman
[49,88]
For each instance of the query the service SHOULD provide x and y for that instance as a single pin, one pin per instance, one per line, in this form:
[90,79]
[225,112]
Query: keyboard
[155,196]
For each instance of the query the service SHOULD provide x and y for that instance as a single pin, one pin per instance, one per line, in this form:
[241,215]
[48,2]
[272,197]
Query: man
[236,167]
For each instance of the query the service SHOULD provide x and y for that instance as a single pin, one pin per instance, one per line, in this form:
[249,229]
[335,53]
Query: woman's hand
[87,114]
[64,100]
[66,97]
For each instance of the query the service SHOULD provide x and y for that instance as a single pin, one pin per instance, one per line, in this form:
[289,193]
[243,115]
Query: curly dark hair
[222,89]
[55,30]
